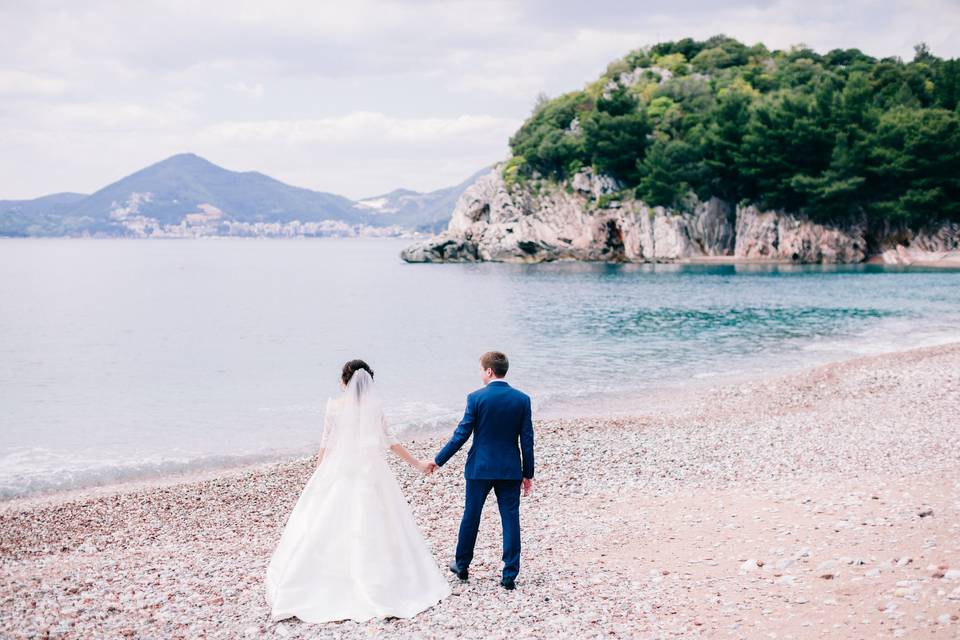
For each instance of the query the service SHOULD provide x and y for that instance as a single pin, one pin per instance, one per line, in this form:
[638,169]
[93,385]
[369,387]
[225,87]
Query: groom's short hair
[496,361]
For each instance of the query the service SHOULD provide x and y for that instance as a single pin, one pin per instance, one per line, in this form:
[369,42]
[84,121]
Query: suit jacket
[500,419]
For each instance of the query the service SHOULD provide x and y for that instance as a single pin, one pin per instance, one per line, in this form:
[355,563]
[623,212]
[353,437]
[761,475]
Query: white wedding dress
[351,548]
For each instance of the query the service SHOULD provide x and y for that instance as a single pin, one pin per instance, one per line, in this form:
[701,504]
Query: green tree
[724,136]
[668,172]
[615,135]
[614,143]
[835,136]
[914,166]
[546,140]
[783,139]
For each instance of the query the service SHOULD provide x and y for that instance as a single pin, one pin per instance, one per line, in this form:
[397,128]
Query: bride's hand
[426,468]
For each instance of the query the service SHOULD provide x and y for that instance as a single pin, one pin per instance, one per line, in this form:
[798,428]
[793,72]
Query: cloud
[364,126]
[254,90]
[106,117]
[352,97]
[20,83]
[364,153]
[358,154]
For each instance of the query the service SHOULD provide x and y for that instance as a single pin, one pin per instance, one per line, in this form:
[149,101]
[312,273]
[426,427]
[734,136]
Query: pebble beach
[823,503]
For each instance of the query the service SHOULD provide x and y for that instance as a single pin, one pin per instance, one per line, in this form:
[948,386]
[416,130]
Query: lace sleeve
[388,436]
[329,419]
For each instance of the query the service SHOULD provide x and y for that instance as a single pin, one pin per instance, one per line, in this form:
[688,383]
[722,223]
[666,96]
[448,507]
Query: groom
[499,417]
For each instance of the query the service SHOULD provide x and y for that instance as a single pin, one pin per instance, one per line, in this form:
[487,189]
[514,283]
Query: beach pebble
[750,565]
[638,527]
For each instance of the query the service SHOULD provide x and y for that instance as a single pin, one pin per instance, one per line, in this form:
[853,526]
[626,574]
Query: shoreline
[949,261]
[719,517]
[670,398]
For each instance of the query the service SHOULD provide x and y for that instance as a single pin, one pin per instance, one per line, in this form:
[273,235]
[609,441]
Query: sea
[127,359]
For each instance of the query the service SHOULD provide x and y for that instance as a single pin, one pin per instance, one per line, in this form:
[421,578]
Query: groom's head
[493,365]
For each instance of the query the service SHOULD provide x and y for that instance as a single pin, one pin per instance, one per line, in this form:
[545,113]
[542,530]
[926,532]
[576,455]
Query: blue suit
[500,419]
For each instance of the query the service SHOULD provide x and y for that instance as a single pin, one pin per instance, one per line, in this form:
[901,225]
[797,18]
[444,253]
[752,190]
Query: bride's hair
[352,367]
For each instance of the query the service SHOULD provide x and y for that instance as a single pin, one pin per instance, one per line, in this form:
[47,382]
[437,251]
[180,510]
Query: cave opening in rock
[528,247]
[483,215]
[614,246]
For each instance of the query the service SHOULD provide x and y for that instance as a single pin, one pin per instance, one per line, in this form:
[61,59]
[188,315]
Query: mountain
[186,195]
[428,212]
[178,185]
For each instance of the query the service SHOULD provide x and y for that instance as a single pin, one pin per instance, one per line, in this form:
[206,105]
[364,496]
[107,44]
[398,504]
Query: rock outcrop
[588,218]
[582,220]
[780,236]
[938,246]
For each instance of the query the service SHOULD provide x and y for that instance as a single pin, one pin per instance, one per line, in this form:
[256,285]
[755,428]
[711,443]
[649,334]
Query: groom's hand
[527,486]
[426,466]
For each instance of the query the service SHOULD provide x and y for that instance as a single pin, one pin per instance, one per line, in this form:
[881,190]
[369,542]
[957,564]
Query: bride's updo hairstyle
[352,367]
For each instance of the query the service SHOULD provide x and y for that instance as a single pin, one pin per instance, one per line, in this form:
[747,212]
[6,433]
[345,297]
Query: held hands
[527,486]
[426,467]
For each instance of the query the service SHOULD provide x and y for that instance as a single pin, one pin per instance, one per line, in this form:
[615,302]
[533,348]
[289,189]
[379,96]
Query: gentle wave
[891,335]
[37,471]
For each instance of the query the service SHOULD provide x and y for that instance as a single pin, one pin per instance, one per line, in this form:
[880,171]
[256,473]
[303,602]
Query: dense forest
[839,136]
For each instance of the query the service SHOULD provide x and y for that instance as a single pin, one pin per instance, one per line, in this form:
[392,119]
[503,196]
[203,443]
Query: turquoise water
[126,358]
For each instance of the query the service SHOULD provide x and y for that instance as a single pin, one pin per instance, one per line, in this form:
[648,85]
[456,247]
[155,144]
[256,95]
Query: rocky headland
[589,218]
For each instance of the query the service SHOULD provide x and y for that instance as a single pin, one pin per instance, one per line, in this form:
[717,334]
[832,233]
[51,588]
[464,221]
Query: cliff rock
[582,220]
[588,218]
[780,236]
[940,245]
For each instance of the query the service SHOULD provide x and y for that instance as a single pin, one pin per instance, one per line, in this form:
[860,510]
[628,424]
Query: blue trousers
[508,500]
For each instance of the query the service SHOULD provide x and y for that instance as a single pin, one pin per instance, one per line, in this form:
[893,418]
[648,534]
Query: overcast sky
[355,97]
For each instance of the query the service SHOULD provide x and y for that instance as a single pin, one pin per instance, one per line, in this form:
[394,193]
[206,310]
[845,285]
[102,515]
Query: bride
[351,548]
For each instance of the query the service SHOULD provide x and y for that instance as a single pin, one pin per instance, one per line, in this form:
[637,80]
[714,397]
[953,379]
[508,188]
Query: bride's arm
[405,455]
[400,450]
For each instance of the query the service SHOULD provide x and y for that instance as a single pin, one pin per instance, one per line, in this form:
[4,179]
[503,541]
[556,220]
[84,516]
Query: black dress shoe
[507,583]
[463,575]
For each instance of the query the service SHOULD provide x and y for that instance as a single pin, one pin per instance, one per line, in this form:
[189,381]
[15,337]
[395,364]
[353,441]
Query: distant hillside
[428,212]
[186,195]
[35,217]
